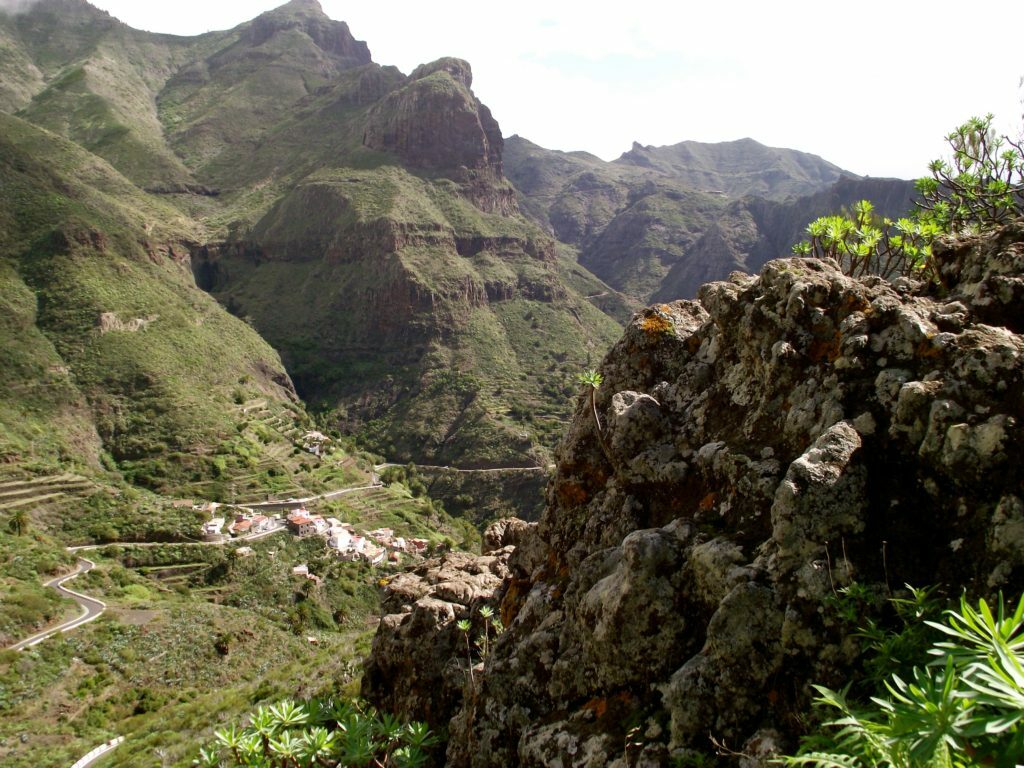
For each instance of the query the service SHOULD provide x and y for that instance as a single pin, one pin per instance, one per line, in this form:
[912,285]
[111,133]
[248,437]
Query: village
[376,547]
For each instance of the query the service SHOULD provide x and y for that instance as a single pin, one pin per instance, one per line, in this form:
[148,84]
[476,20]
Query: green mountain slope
[102,300]
[92,79]
[357,217]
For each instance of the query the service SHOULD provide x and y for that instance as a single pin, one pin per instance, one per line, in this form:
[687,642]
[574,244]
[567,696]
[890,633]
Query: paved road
[97,753]
[91,607]
[459,469]
[289,503]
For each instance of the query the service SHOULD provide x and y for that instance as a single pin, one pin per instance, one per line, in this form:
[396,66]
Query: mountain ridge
[647,223]
[285,120]
[737,168]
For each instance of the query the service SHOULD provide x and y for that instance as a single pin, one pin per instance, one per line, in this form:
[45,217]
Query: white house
[339,539]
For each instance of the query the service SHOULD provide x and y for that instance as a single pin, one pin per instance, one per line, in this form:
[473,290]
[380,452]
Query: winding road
[91,607]
[272,505]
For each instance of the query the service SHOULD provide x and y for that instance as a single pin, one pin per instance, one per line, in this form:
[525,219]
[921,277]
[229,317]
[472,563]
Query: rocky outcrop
[435,122]
[988,277]
[779,438]
[421,661]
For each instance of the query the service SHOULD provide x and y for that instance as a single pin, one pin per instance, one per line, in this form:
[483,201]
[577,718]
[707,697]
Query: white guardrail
[102,749]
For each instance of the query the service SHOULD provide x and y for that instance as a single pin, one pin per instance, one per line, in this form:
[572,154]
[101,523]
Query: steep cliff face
[413,314]
[759,448]
[436,123]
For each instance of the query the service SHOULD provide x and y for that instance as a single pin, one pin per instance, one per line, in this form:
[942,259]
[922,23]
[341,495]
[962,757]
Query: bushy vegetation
[321,732]
[25,562]
[194,635]
[963,709]
[980,186]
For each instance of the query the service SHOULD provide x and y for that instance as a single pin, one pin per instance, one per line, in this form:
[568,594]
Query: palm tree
[20,522]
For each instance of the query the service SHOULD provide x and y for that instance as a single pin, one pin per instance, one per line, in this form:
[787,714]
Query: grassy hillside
[383,276]
[192,635]
[118,320]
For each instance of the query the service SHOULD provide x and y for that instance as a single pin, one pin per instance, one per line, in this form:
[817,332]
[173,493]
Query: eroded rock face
[419,662]
[435,122]
[763,446]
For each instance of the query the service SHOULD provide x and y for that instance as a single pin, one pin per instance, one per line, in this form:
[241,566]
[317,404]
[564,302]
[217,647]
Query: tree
[20,522]
[981,186]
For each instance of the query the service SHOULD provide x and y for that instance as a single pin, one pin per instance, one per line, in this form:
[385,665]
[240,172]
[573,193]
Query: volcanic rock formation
[758,449]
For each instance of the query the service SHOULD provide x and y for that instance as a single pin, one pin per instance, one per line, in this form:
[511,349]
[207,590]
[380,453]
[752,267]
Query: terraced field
[46,490]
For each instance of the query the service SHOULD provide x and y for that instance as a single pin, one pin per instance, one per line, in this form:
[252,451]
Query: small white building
[339,539]
[374,555]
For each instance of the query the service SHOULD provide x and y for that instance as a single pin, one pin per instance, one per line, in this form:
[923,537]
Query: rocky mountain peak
[459,70]
[333,37]
[435,122]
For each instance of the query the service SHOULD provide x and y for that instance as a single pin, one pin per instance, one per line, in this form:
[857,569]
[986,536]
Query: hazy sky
[871,86]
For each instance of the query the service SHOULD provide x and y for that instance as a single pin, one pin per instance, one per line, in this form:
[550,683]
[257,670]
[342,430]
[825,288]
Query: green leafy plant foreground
[962,710]
[979,187]
[321,732]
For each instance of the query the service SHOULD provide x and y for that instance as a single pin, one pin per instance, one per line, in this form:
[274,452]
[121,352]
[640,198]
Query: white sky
[872,86]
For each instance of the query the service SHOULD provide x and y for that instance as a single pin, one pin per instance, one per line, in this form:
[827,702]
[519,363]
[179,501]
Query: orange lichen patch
[597,705]
[571,495]
[655,323]
[927,350]
[825,349]
[708,502]
[853,303]
[514,600]
[614,706]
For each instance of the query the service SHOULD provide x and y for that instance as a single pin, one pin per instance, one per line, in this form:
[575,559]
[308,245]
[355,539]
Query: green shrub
[964,709]
[979,187]
[322,733]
